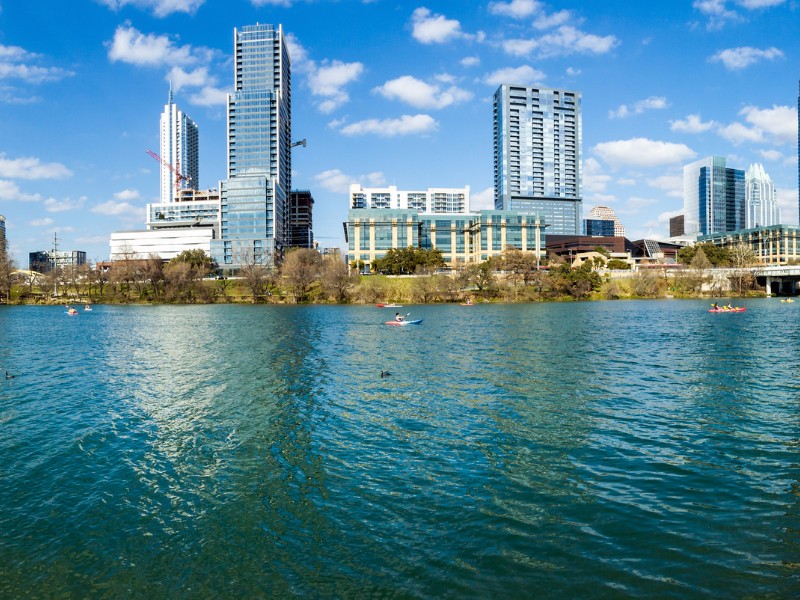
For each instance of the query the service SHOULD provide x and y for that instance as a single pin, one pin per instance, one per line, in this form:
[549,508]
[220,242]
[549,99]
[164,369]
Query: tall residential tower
[179,148]
[537,155]
[713,197]
[254,198]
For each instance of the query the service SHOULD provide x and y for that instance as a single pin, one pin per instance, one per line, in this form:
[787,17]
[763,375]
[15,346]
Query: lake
[596,449]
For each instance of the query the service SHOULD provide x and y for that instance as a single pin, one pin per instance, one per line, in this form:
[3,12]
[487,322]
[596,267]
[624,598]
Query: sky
[387,93]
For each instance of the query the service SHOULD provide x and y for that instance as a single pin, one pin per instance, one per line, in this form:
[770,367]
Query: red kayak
[726,310]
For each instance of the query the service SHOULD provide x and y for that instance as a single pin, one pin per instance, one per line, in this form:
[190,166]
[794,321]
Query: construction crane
[300,143]
[179,177]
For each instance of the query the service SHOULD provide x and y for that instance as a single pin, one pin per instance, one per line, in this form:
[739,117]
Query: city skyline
[387,95]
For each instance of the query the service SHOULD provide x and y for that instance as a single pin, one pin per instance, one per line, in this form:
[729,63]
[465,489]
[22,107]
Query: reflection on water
[622,448]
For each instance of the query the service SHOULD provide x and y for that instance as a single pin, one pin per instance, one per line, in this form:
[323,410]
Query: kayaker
[715,306]
[398,317]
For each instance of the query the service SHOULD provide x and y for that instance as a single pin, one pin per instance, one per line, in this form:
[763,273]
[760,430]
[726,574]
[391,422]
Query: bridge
[781,280]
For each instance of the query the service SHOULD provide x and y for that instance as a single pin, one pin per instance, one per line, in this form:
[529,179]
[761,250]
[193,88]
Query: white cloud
[555,19]
[179,78]
[651,103]
[42,222]
[739,58]
[643,152]
[719,14]
[335,181]
[127,195]
[53,205]
[779,121]
[562,41]
[470,61]
[209,96]
[160,8]
[405,125]
[524,75]
[771,155]
[482,200]
[429,28]
[17,63]
[284,3]
[661,222]
[691,124]
[31,168]
[595,180]
[626,181]
[516,9]
[133,47]
[420,94]
[329,80]
[10,191]
[671,184]
[573,72]
[736,133]
[113,209]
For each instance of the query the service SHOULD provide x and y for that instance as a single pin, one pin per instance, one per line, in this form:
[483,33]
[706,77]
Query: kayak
[401,323]
[726,310]
[382,305]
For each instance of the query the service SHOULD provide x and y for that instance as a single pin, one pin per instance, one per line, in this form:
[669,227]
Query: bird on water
[385,374]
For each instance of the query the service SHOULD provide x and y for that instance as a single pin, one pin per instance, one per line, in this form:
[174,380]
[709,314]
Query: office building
[430,200]
[254,198]
[713,197]
[772,244]
[606,213]
[598,227]
[2,234]
[165,243]
[179,149]
[676,226]
[537,155]
[761,199]
[44,261]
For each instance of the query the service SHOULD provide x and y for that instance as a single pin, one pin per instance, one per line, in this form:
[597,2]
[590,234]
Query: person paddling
[398,317]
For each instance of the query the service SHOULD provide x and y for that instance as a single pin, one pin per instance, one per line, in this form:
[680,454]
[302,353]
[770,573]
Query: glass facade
[713,197]
[599,227]
[537,154]
[254,200]
[180,148]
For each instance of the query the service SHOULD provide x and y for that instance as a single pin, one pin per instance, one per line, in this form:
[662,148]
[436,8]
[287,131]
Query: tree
[337,279]
[256,274]
[398,261]
[300,270]
[742,257]
[6,274]
[717,255]
[198,260]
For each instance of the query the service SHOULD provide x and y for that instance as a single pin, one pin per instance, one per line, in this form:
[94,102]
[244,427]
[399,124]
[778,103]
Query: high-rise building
[430,200]
[676,226]
[798,149]
[761,200]
[179,148]
[254,198]
[607,213]
[537,155]
[301,218]
[599,227]
[2,234]
[713,197]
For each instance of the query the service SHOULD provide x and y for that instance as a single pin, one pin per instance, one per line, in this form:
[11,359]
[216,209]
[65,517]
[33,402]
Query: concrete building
[538,155]
[180,148]
[165,243]
[713,197]
[191,208]
[607,213]
[773,244]
[254,198]
[431,200]
[461,237]
[761,199]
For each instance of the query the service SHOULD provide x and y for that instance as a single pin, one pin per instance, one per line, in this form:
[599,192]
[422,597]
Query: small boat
[402,323]
[787,300]
[383,305]
[467,304]
[72,312]
[87,307]
[722,309]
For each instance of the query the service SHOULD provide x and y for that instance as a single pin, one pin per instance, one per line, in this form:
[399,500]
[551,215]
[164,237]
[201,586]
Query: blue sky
[387,93]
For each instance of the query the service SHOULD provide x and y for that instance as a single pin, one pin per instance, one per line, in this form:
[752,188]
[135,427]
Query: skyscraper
[179,148]
[537,155]
[254,198]
[713,197]
[607,213]
[798,149]
[2,235]
[761,200]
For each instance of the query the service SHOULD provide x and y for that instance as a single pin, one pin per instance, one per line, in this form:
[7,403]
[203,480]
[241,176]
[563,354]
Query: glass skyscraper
[179,148]
[537,155]
[761,198]
[254,198]
[713,197]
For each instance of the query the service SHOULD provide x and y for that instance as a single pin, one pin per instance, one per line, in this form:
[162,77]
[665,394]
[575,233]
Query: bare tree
[337,279]
[6,274]
[300,270]
[255,273]
[742,257]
